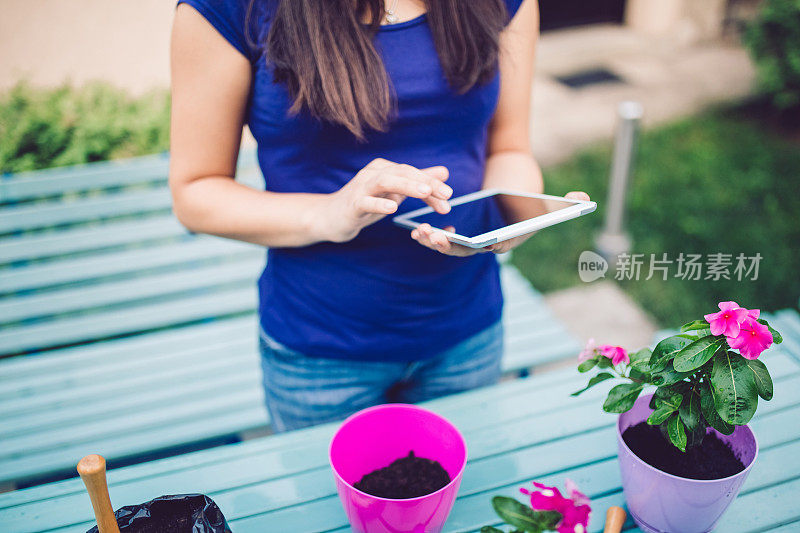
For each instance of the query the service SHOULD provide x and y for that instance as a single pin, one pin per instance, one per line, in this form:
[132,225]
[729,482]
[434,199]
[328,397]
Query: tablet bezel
[579,207]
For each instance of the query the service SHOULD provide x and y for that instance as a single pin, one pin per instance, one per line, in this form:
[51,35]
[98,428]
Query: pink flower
[617,354]
[728,320]
[752,339]
[588,352]
[574,509]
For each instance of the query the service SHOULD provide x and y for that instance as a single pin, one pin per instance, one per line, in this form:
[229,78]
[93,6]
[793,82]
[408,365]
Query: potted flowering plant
[549,510]
[685,449]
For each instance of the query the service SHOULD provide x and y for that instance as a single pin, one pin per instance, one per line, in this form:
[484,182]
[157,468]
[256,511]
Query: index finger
[440,190]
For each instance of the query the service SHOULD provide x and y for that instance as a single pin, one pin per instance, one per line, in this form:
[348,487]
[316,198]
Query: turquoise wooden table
[516,431]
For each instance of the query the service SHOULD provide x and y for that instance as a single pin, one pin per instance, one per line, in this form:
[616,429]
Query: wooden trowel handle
[92,469]
[615,519]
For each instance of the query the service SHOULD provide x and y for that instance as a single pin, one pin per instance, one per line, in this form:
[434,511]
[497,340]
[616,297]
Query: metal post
[613,239]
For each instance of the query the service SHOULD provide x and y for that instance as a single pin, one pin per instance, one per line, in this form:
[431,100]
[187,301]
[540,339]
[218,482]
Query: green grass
[40,128]
[712,183]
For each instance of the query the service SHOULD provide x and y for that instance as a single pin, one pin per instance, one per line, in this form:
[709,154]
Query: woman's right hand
[377,191]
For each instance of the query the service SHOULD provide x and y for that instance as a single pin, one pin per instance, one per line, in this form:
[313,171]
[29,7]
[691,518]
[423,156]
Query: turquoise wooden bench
[126,335]
[517,431]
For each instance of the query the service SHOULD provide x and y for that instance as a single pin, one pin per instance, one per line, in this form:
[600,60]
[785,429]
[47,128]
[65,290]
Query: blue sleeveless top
[381,296]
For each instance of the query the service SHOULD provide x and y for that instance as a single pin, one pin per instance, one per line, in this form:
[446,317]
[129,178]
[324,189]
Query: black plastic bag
[181,513]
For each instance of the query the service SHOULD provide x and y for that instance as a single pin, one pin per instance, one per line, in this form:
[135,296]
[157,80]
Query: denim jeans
[303,391]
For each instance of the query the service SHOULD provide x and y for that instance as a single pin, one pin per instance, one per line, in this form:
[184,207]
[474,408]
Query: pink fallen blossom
[588,351]
[728,320]
[752,339]
[574,508]
[617,354]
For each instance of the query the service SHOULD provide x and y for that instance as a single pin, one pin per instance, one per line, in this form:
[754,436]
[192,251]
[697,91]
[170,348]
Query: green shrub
[41,128]
[774,41]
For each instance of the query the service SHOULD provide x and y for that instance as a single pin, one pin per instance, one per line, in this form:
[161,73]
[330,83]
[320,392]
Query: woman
[362,109]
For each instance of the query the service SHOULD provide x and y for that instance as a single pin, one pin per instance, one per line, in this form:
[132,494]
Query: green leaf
[638,375]
[603,362]
[621,398]
[669,397]
[490,529]
[666,350]
[676,433]
[519,515]
[694,325]
[689,411]
[587,365]
[669,376]
[762,379]
[660,415]
[548,519]
[691,417]
[734,387]
[776,337]
[641,356]
[697,353]
[602,376]
[642,365]
[710,413]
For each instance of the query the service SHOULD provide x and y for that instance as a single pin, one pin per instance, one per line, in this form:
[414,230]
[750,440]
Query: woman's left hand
[435,239]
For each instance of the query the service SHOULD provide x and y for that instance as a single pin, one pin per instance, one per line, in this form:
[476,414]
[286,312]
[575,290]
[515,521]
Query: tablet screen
[483,215]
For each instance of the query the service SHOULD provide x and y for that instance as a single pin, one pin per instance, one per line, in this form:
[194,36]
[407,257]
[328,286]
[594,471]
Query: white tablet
[494,215]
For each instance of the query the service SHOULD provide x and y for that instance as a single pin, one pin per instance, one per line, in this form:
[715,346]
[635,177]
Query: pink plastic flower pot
[373,438]
[662,503]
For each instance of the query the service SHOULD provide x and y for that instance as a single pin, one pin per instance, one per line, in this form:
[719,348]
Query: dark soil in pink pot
[713,459]
[406,477]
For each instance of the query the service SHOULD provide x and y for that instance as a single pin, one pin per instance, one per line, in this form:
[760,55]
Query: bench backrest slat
[96,237]
[53,182]
[51,213]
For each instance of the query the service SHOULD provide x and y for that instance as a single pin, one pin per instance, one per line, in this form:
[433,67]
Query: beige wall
[124,42]
[685,21]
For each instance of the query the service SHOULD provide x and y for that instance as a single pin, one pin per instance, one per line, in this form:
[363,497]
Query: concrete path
[602,311]
[670,80]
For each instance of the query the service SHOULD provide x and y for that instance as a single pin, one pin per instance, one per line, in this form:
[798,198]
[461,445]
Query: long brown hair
[325,54]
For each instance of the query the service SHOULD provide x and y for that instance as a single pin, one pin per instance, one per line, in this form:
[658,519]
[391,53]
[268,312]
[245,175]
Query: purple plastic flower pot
[373,438]
[663,503]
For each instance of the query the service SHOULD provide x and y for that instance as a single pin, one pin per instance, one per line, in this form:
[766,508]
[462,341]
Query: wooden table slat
[506,444]
[787,322]
[466,410]
[477,401]
[587,457]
